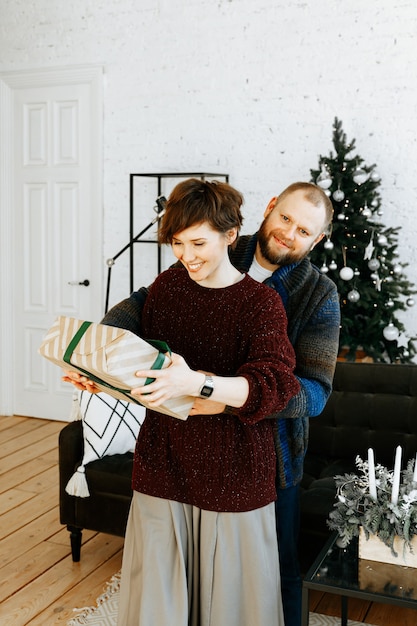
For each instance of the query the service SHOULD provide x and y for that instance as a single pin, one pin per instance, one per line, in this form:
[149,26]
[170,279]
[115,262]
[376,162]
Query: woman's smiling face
[204,252]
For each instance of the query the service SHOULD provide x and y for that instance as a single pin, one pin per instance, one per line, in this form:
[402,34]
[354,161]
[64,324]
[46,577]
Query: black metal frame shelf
[159,176]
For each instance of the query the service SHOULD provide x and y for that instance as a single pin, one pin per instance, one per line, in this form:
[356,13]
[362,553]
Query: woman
[201,547]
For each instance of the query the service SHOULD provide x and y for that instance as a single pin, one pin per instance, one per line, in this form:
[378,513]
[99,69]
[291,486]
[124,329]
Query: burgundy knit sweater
[217,462]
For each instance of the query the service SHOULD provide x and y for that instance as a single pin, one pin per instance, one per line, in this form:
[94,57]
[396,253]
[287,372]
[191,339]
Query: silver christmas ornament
[382,240]
[353,295]
[341,217]
[390,303]
[324,269]
[333,265]
[397,269]
[369,250]
[339,195]
[360,176]
[375,176]
[391,332]
[367,212]
[328,245]
[374,264]
[346,273]
[410,302]
[324,179]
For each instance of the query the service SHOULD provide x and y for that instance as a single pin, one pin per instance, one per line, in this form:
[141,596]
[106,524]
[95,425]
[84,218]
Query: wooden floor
[39,583]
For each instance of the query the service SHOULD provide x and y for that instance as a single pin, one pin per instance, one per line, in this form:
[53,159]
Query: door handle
[85,282]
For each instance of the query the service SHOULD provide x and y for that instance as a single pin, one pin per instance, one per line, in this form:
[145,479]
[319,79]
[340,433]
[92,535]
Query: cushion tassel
[75,413]
[77,484]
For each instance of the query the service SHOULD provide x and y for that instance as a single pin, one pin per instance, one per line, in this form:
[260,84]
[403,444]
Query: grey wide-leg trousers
[190,567]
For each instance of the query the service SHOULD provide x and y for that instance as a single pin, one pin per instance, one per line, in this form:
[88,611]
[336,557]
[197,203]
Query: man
[294,222]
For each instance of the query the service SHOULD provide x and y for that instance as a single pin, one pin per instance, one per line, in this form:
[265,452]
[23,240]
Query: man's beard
[276,257]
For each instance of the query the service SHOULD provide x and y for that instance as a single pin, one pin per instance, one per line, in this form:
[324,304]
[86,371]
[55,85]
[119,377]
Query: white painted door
[57,234]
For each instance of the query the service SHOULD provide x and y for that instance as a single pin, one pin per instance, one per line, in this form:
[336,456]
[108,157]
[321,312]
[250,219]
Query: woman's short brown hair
[194,201]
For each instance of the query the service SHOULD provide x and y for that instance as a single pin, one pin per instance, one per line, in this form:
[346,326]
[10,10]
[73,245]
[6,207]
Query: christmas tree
[360,256]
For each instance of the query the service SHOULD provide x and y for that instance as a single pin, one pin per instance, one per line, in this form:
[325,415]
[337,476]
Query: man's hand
[80,381]
[202,406]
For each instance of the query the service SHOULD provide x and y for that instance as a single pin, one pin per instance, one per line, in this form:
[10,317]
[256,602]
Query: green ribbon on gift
[160,359]
[161,346]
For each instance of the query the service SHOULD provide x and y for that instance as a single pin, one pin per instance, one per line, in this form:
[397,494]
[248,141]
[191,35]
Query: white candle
[371,471]
[415,470]
[397,472]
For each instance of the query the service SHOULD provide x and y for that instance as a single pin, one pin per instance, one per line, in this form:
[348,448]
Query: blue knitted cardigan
[312,305]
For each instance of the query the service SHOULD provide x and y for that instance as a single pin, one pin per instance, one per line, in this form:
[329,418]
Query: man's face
[289,231]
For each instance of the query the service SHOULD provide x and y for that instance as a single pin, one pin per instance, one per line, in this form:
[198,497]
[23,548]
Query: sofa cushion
[110,427]
[111,475]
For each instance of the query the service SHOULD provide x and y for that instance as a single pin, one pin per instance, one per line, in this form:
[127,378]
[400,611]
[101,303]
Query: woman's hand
[180,380]
[175,380]
[80,381]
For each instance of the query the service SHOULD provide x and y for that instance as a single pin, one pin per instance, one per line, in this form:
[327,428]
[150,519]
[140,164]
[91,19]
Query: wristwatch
[207,388]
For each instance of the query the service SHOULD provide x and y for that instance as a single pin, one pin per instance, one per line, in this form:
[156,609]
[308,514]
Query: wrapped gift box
[110,356]
[373,549]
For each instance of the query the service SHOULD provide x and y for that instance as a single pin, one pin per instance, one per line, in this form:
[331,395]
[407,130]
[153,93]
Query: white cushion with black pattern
[110,426]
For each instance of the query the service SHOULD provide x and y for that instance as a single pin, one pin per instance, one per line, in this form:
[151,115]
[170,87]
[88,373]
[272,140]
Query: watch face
[206,391]
[207,388]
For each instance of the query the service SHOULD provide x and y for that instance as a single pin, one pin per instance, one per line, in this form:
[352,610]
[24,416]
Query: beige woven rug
[105,612]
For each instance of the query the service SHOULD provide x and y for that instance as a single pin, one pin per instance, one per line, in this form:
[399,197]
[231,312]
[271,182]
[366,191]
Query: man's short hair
[314,194]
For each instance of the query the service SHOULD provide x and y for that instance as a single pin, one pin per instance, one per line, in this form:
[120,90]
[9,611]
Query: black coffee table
[340,571]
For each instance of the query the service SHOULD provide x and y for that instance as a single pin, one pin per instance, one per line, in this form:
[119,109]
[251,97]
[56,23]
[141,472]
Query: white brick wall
[247,87]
